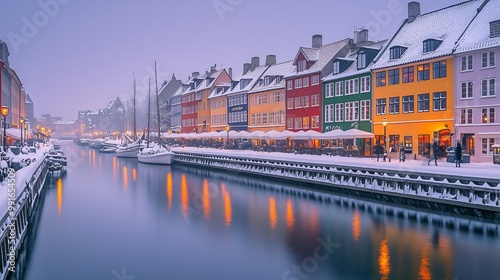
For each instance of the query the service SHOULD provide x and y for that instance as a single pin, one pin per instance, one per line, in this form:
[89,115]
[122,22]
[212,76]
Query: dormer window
[495,29]
[431,45]
[244,83]
[396,52]
[361,60]
[268,80]
[301,65]
[279,79]
[336,67]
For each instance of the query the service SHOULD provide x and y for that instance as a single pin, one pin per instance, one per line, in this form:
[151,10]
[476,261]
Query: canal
[111,218]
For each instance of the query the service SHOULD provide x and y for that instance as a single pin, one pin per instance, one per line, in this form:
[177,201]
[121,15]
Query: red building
[189,111]
[303,86]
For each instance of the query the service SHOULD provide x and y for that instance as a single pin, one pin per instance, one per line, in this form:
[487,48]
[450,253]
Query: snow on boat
[156,154]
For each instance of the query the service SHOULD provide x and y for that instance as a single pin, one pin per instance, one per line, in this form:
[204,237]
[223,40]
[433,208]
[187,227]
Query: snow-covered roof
[213,76]
[252,76]
[27,99]
[320,56]
[64,122]
[181,89]
[219,90]
[446,24]
[280,69]
[477,36]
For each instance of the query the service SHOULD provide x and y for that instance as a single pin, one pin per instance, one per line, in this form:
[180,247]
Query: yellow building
[414,80]
[213,79]
[217,101]
[266,110]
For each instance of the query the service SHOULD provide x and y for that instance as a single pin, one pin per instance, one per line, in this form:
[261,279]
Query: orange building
[217,101]
[414,80]
[267,100]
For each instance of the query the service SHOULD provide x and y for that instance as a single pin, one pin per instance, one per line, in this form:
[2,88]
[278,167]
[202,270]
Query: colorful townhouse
[237,95]
[165,93]
[218,107]
[477,75]
[176,109]
[189,110]
[303,85]
[413,77]
[347,91]
[214,78]
[266,110]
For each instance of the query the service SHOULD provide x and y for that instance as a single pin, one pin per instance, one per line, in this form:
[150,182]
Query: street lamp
[21,121]
[384,124]
[5,112]
[227,129]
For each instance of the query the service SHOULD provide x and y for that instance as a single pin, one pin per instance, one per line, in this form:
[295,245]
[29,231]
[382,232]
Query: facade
[477,74]
[5,81]
[109,120]
[267,109]
[165,93]
[189,110]
[214,78]
[16,92]
[176,109]
[237,95]
[303,86]
[414,80]
[30,111]
[218,108]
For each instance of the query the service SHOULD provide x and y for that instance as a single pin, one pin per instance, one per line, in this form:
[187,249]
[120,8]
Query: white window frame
[329,90]
[364,105]
[351,111]
[488,87]
[339,112]
[329,112]
[289,84]
[351,86]
[339,88]
[298,83]
[469,90]
[490,63]
[315,80]
[305,82]
[365,84]
[464,115]
[469,60]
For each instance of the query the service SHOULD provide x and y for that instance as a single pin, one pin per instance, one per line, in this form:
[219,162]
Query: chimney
[195,74]
[413,11]
[361,37]
[213,68]
[230,72]
[246,68]
[317,41]
[270,59]
[255,62]
[173,77]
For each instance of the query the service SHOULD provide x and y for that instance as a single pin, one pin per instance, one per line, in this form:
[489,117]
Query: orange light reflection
[125,178]
[384,260]
[59,185]
[290,219]
[227,205]
[424,272]
[272,212]
[169,190]
[206,199]
[356,226]
[134,174]
[184,195]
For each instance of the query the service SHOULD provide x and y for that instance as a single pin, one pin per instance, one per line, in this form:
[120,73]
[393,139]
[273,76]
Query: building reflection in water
[272,213]
[206,199]
[356,227]
[125,178]
[384,260]
[184,195]
[169,190]
[115,168]
[290,219]
[227,205]
[59,185]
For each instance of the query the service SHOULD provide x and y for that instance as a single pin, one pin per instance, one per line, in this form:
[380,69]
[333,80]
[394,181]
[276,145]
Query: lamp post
[5,112]
[21,121]
[26,131]
[384,124]
[227,141]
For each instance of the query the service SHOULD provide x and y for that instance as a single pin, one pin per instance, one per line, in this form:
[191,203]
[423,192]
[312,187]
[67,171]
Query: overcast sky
[80,54]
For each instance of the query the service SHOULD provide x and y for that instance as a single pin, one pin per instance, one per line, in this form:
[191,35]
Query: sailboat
[156,153]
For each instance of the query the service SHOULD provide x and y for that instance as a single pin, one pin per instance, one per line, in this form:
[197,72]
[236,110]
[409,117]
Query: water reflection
[356,226]
[184,195]
[272,212]
[384,260]
[290,219]
[125,178]
[134,174]
[228,211]
[59,185]
[169,190]
[206,199]
[424,272]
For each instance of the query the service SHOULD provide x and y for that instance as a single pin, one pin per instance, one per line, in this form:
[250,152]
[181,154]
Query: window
[252,101]
[394,77]
[488,59]
[315,122]
[396,52]
[306,101]
[339,88]
[381,79]
[305,122]
[315,80]
[305,81]
[298,83]
[279,79]
[258,100]
[302,65]
[488,87]
[381,106]
[298,123]
[298,102]
[494,29]
[289,103]
[282,116]
[314,100]
[253,119]
[423,72]
[339,112]
[351,86]
[329,111]
[439,69]
[361,60]
[488,115]
[264,98]
[467,90]
[289,84]
[466,116]
[424,144]
[408,74]
[408,104]
[439,101]
[365,84]
[271,117]
[394,105]
[423,102]
[277,97]
[259,118]
[268,80]
[431,45]
[271,98]
[365,110]
[467,63]
[289,123]
[283,96]
[329,90]
[336,67]
[264,118]
[351,111]
[486,146]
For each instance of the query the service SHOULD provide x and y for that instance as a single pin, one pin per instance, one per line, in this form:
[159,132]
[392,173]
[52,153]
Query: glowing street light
[5,112]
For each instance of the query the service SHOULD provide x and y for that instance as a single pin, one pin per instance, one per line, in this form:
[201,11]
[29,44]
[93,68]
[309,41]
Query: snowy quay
[20,194]
[472,190]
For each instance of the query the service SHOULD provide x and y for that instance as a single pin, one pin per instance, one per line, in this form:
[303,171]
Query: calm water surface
[111,218]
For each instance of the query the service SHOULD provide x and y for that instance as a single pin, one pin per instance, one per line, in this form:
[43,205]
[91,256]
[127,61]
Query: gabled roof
[446,24]
[280,69]
[253,76]
[180,91]
[12,72]
[320,56]
[213,76]
[477,36]
[219,90]
[168,89]
[27,99]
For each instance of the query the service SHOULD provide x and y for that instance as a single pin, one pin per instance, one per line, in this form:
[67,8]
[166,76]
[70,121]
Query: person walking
[458,155]
[435,151]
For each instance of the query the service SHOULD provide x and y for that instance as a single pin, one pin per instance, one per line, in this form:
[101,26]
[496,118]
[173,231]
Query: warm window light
[5,111]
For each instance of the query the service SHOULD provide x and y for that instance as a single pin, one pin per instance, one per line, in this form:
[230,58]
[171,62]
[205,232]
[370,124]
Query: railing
[465,195]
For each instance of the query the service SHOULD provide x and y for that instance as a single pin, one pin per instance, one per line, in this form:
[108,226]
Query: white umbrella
[258,134]
[272,134]
[243,134]
[332,134]
[285,134]
[356,133]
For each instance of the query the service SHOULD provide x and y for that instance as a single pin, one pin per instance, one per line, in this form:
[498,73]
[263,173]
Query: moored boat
[156,154]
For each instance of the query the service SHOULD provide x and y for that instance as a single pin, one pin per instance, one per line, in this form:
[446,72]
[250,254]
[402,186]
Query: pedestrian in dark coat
[435,150]
[458,155]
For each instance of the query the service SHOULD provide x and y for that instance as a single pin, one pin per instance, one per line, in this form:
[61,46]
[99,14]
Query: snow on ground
[472,170]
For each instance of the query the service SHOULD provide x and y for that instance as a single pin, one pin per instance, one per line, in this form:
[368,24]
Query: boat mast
[134,113]
[157,103]
[149,111]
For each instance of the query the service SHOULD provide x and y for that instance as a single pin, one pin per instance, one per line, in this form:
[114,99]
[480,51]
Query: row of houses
[434,79]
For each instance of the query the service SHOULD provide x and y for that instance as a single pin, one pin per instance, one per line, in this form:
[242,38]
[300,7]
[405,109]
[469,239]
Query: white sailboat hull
[159,158]
[129,152]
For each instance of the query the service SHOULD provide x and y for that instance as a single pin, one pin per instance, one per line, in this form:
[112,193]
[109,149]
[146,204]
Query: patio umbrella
[356,133]
[285,134]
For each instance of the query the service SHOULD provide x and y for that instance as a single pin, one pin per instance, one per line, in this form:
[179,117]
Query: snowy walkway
[475,170]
